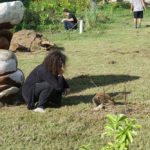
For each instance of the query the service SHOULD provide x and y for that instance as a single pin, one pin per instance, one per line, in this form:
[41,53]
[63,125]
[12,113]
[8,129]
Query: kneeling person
[46,83]
[71,22]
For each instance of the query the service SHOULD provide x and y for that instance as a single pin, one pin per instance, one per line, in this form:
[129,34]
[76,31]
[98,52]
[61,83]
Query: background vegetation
[46,15]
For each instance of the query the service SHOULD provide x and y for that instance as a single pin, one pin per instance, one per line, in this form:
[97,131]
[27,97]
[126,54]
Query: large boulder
[8,62]
[8,92]
[11,14]
[5,38]
[11,78]
[29,40]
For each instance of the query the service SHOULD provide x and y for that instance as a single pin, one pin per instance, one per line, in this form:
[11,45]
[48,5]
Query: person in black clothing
[45,84]
[71,22]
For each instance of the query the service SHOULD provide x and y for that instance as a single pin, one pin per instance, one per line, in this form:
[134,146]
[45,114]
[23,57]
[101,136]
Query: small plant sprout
[86,147]
[122,130]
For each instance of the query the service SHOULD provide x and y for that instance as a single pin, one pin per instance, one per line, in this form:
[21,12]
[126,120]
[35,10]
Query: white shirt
[137,5]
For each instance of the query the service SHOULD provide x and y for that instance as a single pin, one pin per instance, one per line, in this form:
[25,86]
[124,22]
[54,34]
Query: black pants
[138,14]
[45,94]
[69,25]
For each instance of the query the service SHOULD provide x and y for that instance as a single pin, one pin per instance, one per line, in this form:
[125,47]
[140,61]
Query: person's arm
[64,85]
[45,75]
[71,19]
[131,7]
[58,84]
[144,5]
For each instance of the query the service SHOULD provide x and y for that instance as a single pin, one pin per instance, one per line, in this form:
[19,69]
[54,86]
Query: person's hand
[144,8]
[61,73]
[62,20]
[67,91]
[131,11]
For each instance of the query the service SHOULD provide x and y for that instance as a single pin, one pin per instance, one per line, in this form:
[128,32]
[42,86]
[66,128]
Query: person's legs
[43,92]
[135,19]
[68,25]
[140,18]
[45,95]
[135,22]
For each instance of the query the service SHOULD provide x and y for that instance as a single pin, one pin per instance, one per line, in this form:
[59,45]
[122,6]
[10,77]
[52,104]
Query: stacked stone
[11,78]
[11,14]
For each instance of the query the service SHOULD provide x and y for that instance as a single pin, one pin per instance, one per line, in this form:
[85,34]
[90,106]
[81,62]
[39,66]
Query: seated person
[71,22]
[45,84]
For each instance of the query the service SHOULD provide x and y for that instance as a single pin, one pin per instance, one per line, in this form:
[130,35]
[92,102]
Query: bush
[49,12]
[121,130]
[94,17]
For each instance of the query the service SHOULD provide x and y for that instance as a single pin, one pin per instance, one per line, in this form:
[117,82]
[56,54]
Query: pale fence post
[81,26]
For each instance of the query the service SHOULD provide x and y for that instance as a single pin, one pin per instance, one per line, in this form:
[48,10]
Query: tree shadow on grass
[84,82]
[75,100]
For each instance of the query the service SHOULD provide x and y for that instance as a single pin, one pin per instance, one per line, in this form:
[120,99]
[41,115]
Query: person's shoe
[139,25]
[135,26]
[64,31]
[38,109]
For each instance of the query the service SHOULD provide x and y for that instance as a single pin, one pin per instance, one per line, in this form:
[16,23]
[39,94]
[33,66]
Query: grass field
[110,57]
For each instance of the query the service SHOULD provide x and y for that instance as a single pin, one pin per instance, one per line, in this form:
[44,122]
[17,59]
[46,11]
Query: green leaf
[122,146]
[122,138]
[121,117]
[129,136]
[85,147]
[111,118]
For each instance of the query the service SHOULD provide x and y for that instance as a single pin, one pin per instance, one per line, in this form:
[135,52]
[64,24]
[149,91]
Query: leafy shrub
[94,17]
[116,5]
[49,12]
[121,129]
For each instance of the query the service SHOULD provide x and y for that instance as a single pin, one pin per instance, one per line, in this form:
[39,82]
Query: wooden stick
[125,98]
[103,99]
[93,83]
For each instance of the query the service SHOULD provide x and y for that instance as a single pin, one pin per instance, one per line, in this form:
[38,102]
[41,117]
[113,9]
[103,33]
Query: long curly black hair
[55,62]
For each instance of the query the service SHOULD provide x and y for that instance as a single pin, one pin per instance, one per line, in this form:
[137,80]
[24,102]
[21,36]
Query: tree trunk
[104,2]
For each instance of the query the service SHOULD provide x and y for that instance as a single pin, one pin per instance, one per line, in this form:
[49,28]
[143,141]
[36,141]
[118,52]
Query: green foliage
[94,17]
[122,130]
[116,5]
[41,13]
[85,147]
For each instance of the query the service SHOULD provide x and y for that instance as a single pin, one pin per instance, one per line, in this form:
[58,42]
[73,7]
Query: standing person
[137,8]
[71,22]
[46,83]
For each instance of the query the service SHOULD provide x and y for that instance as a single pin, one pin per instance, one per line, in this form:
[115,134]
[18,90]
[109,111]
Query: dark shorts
[138,14]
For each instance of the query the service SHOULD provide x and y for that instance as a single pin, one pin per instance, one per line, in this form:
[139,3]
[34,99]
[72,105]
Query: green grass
[89,60]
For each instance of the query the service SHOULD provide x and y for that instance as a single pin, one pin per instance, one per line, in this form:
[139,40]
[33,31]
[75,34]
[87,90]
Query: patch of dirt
[124,53]
[127,23]
[119,108]
[112,62]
